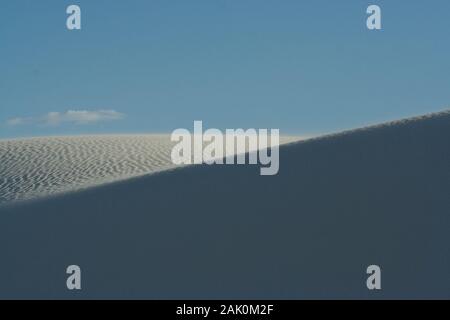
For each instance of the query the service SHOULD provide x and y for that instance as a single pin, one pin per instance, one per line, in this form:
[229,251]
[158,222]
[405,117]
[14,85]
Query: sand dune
[339,203]
[38,167]
[44,166]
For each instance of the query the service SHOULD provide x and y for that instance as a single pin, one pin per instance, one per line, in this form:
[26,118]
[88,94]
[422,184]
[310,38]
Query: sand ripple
[37,167]
[44,166]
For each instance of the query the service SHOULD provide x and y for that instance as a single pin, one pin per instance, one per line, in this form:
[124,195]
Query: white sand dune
[339,203]
[44,166]
[38,167]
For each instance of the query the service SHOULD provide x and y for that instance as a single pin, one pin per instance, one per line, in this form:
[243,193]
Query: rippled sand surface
[37,167]
[44,166]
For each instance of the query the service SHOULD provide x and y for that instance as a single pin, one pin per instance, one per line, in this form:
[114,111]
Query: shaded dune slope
[339,204]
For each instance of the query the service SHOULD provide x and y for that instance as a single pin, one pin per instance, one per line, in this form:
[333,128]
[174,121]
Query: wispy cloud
[78,117]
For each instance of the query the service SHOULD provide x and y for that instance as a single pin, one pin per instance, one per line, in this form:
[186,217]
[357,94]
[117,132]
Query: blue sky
[304,66]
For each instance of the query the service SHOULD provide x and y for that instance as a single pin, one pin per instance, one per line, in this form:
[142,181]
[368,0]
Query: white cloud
[16,121]
[78,117]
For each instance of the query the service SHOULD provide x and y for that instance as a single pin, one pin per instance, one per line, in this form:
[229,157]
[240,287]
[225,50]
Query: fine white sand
[339,203]
[37,167]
